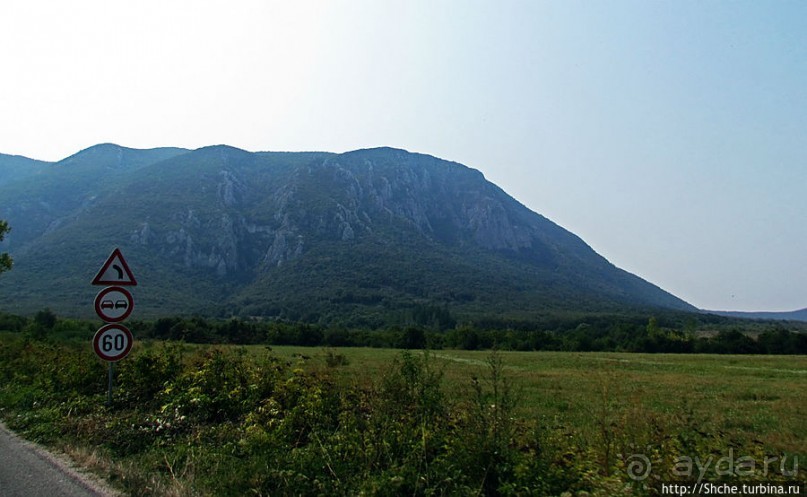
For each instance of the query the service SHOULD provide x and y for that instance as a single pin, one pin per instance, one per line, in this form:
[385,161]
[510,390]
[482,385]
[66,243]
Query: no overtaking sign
[114,304]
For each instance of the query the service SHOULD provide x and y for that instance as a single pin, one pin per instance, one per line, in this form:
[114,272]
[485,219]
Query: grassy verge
[195,420]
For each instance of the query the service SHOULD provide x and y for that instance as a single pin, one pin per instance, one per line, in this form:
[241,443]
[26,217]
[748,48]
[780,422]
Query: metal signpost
[113,341]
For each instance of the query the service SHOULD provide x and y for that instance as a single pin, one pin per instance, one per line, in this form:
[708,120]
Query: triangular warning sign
[115,271]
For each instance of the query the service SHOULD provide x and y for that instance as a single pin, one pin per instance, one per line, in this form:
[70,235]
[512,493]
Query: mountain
[361,238]
[60,192]
[800,315]
[14,168]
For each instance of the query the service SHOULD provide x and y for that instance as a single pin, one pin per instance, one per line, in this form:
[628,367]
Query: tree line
[587,334]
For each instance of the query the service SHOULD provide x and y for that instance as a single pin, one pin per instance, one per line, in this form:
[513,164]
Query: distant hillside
[14,168]
[362,238]
[800,315]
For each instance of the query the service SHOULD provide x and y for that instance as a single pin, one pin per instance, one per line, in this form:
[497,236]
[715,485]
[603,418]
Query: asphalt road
[27,470]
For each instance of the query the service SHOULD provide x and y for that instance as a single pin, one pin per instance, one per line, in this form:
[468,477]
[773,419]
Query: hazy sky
[669,135]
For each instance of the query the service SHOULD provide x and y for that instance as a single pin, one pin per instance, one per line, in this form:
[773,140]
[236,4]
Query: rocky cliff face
[368,193]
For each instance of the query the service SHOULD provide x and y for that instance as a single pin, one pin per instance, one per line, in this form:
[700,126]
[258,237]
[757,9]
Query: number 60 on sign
[112,342]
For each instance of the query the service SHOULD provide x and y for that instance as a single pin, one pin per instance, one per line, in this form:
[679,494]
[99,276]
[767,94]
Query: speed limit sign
[112,342]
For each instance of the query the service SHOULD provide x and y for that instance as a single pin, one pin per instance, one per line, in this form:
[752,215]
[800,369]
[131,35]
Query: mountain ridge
[16,167]
[797,315]
[347,238]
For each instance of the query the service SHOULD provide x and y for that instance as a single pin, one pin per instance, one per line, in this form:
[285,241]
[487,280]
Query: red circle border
[99,298]
[97,338]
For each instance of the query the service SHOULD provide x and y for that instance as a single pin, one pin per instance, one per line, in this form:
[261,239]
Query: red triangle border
[115,254]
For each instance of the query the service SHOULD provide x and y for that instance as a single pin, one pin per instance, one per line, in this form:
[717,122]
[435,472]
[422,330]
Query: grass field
[752,398]
[224,420]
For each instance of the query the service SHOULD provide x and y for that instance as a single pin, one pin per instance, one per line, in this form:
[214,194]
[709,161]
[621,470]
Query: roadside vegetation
[230,420]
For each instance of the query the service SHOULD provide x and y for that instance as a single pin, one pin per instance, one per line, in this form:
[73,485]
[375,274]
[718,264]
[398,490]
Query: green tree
[5,259]
[42,324]
[413,338]
[45,319]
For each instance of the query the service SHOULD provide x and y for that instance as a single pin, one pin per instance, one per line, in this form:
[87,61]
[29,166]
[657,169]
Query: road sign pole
[112,342]
[111,372]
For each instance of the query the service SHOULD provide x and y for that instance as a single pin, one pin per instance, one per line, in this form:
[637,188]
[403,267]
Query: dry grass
[130,478]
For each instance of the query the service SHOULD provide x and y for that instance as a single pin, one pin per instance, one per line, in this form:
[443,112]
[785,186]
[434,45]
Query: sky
[671,136]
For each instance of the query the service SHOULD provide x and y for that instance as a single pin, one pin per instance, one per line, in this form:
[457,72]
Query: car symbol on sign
[119,304]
